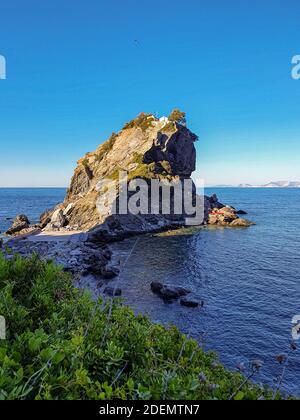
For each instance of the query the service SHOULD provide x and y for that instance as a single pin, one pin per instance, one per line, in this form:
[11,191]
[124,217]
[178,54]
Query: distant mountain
[247,186]
[274,184]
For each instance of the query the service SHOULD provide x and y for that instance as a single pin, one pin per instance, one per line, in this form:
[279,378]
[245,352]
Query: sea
[249,279]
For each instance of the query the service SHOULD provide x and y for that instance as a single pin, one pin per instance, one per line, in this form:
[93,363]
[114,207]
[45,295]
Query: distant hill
[274,184]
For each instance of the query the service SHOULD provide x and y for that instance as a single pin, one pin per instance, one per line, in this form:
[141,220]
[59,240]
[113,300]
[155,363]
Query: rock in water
[241,212]
[190,302]
[168,292]
[241,223]
[156,287]
[20,223]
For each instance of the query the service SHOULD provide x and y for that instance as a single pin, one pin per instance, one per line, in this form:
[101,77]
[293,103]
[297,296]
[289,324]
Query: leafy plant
[178,116]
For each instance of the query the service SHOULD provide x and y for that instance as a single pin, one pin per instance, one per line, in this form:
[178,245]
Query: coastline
[215,236]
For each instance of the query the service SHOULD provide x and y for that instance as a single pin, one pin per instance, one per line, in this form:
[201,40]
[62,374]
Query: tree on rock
[178,116]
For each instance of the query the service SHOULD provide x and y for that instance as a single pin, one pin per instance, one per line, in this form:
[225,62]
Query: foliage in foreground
[63,345]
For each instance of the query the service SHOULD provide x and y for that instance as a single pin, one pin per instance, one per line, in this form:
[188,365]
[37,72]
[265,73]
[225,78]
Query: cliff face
[145,148]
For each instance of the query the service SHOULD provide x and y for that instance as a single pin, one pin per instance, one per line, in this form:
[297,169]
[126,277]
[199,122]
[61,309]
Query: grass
[62,345]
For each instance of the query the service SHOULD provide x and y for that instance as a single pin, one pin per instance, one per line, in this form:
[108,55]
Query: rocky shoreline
[94,261]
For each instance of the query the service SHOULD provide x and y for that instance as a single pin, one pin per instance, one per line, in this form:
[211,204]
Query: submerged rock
[191,302]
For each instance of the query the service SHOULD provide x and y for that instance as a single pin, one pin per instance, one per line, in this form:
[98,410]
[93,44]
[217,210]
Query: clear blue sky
[78,69]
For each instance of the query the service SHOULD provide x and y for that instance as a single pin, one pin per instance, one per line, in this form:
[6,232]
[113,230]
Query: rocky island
[78,232]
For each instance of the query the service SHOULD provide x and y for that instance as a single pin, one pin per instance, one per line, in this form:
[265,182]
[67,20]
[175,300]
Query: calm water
[32,202]
[248,278]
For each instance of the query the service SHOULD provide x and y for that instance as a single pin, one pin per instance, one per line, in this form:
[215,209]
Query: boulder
[58,220]
[20,223]
[45,218]
[156,287]
[168,292]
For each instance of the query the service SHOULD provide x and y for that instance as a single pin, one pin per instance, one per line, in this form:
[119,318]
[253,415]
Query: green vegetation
[142,171]
[85,163]
[63,345]
[106,147]
[142,121]
[177,116]
[114,176]
[170,127]
[138,158]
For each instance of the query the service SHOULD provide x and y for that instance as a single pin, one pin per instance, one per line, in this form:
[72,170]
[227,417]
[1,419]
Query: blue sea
[30,201]
[248,278]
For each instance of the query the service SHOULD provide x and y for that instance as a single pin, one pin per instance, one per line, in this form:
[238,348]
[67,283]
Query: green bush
[142,121]
[63,345]
[177,116]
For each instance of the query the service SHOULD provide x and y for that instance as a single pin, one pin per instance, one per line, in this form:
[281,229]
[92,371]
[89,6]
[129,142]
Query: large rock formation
[146,148]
